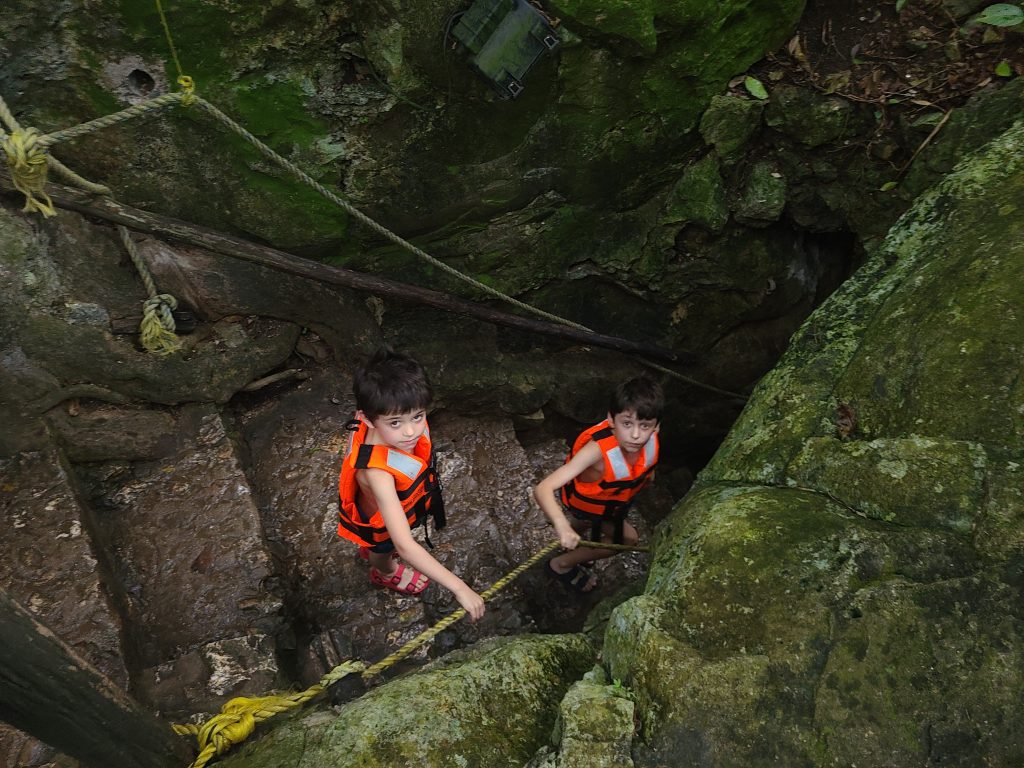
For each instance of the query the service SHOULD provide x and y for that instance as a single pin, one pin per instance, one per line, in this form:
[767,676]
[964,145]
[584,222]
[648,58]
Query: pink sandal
[416,584]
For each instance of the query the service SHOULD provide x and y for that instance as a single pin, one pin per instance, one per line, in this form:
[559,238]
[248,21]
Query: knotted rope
[156,331]
[26,160]
[187,96]
[239,717]
[29,162]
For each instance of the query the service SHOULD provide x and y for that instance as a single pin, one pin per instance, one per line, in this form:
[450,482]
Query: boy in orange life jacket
[608,465]
[388,483]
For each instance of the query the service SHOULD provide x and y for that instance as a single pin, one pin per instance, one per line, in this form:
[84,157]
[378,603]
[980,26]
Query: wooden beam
[47,691]
[238,248]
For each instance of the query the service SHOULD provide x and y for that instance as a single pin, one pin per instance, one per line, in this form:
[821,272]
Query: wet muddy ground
[191,554]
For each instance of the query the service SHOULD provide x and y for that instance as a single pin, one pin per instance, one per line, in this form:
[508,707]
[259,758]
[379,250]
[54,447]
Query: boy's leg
[385,564]
[567,560]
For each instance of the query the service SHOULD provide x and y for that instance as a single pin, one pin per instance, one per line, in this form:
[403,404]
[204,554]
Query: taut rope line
[28,162]
[239,717]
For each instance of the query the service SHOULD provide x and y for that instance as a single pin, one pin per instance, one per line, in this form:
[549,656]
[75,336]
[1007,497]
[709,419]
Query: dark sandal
[577,577]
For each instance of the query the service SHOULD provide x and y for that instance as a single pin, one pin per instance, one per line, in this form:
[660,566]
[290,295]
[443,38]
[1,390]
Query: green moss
[910,482]
[763,196]
[698,197]
[493,705]
[729,123]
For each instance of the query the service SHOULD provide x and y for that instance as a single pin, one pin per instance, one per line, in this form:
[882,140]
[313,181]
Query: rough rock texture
[66,287]
[595,726]
[493,525]
[187,541]
[492,705]
[850,561]
[582,196]
[50,562]
[555,197]
[843,586]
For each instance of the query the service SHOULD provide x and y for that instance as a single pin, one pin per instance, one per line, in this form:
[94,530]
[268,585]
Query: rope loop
[27,161]
[188,89]
[157,327]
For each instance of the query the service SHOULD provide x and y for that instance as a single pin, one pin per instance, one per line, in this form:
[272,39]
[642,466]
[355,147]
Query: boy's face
[400,430]
[631,432]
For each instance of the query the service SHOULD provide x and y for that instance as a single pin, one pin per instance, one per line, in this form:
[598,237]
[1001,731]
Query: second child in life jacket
[388,482]
[608,465]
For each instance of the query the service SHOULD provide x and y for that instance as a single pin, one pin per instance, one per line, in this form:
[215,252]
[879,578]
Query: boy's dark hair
[391,382]
[642,395]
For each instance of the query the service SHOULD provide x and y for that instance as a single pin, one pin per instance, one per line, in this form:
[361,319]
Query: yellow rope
[156,331]
[616,547]
[170,40]
[239,717]
[128,113]
[26,159]
[188,97]
[306,179]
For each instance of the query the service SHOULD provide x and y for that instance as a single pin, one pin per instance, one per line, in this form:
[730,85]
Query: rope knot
[188,88]
[26,158]
[157,327]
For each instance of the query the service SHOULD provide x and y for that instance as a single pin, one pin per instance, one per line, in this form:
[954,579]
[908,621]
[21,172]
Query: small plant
[755,88]
[622,691]
[1001,15]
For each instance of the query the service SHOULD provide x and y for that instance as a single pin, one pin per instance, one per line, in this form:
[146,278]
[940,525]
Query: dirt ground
[913,65]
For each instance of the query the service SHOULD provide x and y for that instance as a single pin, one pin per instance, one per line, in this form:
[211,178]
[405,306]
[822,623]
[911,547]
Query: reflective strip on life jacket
[404,463]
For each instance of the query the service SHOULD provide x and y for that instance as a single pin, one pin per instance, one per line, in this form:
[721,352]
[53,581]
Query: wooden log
[235,247]
[47,691]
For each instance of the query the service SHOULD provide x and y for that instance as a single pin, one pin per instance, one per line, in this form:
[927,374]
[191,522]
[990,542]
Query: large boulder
[844,584]
[493,705]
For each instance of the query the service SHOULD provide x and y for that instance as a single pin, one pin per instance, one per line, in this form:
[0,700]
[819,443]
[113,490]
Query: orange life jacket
[416,482]
[609,497]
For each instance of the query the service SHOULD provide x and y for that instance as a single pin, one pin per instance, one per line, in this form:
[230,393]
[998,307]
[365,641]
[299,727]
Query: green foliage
[1001,15]
[1003,69]
[900,4]
[755,88]
[888,186]
[622,691]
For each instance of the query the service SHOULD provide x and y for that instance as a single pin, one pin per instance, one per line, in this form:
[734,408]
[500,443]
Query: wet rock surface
[838,561]
[577,198]
[51,563]
[294,444]
[514,684]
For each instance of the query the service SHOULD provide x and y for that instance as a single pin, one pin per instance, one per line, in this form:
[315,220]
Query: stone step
[189,555]
[48,564]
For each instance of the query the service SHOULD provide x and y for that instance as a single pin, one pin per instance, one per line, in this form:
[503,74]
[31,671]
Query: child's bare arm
[546,489]
[383,486]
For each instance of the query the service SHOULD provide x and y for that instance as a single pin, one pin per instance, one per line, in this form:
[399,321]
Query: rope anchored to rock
[239,717]
[33,179]
[29,164]
[26,160]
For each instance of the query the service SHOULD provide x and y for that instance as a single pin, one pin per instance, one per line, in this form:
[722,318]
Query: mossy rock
[699,197]
[492,705]
[729,123]
[808,118]
[850,560]
[763,196]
